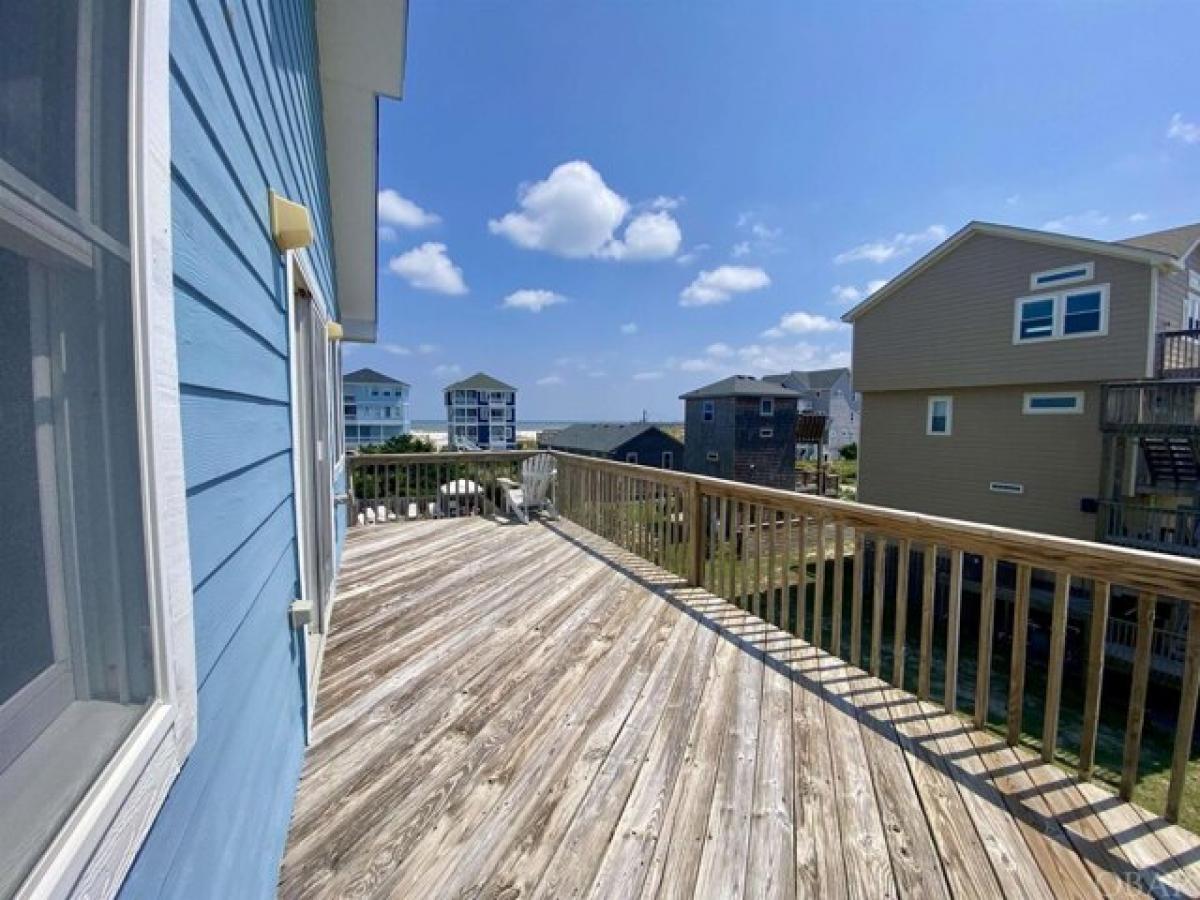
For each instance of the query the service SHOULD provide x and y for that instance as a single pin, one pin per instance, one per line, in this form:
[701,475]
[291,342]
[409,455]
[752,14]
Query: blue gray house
[481,413]
[174,180]
[634,442]
[374,407]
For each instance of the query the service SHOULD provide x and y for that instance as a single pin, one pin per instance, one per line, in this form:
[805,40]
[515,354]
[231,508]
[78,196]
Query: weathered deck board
[510,711]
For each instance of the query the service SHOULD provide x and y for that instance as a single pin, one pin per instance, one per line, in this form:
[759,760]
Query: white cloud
[699,364]
[1078,223]
[1182,130]
[387,234]
[719,350]
[427,348]
[397,210]
[886,248]
[395,349]
[767,358]
[718,285]
[647,376]
[663,202]
[573,213]
[550,380]
[447,369]
[804,323]
[532,300]
[429,268]
[1138,217]
[686,259]
[653,235]
[763,239]
[629,328]
[741,248]
[846,294]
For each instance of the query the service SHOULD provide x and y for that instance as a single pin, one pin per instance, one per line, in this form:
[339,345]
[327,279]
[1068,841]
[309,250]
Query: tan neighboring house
[1039,381]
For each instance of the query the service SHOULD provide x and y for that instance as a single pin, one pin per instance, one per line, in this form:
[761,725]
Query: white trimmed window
[1192,313]
[766,432]
[707,410]
[766,406]
[631,456]
[97,659]
[939,416]
[668,459]
[1080,312]
[1053,403]
[1052,278]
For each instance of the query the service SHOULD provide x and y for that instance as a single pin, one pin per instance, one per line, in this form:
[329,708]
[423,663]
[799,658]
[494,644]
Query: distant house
[375,407]
[744,429]
[1041,381]
[481,413]
[636,442]
[828,392]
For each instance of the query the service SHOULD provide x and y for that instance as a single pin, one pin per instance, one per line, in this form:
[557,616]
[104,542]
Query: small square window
[940,415]
[767,406]
[708,410]
[1082,314]
[1037,318]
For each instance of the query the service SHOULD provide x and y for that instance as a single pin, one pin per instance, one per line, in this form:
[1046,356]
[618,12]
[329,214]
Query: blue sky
[607,204]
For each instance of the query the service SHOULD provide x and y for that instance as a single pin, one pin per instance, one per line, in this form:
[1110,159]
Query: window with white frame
[1062,276]
[708,410]
[95,675]
[631,456]
[766,432]
[712,456]
[1051,403]
[939,417]
[1080,312]
[668,459]
[1191,319]
[766,406]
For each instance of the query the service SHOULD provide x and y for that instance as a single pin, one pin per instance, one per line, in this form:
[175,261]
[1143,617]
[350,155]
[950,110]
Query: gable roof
[371,376]
[1179,242]
[815,380]
[1117,249]
[740,386]
[602,437]
[480,381]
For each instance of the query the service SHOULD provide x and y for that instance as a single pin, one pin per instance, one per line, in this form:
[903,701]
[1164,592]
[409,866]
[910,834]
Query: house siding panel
[1055,457]
[245,118]
[952,325]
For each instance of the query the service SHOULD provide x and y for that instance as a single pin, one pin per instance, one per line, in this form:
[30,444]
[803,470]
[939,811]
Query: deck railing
[1172,405]
[797,560]
[405,486]
[1177,353]
[1151,528]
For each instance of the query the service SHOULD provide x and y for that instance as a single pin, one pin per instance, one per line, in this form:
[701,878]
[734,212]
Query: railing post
[698,534]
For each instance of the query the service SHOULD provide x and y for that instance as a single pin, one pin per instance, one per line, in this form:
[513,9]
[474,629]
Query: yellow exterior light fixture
[291,226]
[334,331]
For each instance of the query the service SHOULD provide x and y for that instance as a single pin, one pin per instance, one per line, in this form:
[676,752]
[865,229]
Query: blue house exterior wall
[245,117]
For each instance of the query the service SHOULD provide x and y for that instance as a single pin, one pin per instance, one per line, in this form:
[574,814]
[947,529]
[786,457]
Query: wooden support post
[987,607]
[698,534]
[953,623]
[1054,675]
[880,547]
[901,620]
[856,598]
[928,584]
[1098,628]
[1186,721]
[1137,694]
[1016,670]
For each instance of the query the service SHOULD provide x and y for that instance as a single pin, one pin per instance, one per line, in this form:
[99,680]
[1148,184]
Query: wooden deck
[514,711]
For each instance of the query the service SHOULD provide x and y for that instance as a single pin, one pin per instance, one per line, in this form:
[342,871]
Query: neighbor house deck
[511,711]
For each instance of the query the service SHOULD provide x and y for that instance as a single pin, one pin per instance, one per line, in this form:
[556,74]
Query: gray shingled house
[636,442]
[744,429]
[829,392]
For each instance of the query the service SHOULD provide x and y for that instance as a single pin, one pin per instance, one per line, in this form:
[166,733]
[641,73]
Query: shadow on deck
[511,711]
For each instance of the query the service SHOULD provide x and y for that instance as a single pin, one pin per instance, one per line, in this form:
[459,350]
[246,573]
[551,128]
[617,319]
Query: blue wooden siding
[245,117]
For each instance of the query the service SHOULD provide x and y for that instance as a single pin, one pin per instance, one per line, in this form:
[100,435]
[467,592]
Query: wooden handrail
[730,538]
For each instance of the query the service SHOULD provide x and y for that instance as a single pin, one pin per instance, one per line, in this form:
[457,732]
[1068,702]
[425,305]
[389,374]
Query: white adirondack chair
[533,492]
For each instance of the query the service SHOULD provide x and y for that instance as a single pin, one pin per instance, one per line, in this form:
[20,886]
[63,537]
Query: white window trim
[1035,282]
[766,433]
[949,415]
[1006,487]
[712,456]
[93,851]
[708,410]
[668,459]
[766,406]
[1060,307]
[631,457]
[1027,403]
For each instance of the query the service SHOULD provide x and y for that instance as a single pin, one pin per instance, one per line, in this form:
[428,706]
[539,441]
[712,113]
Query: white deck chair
[533,492]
